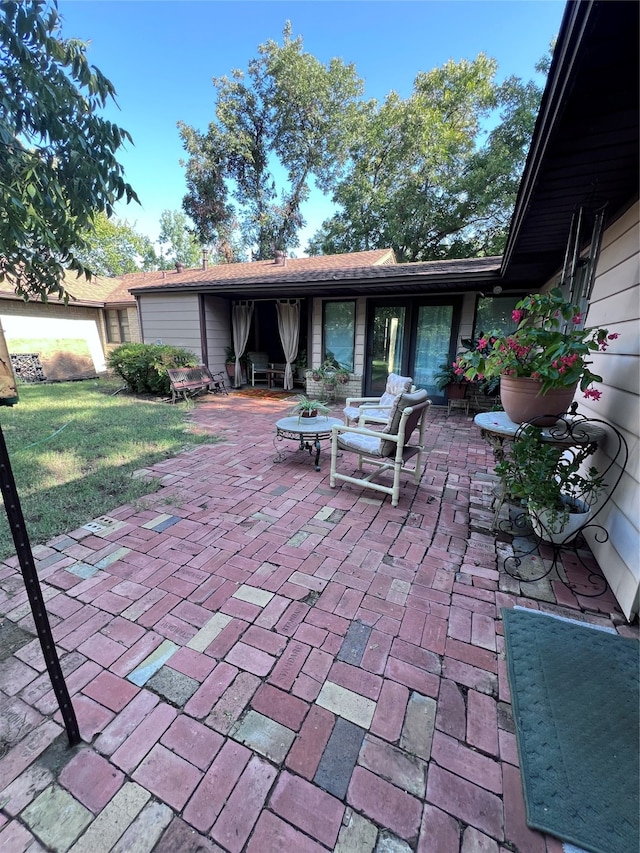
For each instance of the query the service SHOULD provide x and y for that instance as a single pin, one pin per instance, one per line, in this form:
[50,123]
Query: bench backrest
[182,375]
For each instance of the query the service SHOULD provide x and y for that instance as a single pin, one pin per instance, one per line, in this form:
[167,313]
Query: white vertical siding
[172,318]
[615,305]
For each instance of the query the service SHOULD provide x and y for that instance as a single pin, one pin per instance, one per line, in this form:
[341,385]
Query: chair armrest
[357,400]
[375,407]
[338,428]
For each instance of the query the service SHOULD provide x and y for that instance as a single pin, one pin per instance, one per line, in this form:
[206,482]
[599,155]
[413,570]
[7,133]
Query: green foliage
[144,366]
[446,375]
[115,248]
[183,247]
[421,178]
[289,114]
[57,157]
[537,472]
[74,447]
[305,406]
[548,344]
[330,375]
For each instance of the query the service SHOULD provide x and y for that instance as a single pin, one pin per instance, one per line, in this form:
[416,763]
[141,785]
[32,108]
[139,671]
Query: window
[338,332]
[494,312]
[117,326]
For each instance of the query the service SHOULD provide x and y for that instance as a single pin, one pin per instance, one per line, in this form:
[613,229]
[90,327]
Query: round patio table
[308,432]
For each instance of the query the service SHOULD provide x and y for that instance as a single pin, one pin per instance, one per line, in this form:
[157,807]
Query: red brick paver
[262,584]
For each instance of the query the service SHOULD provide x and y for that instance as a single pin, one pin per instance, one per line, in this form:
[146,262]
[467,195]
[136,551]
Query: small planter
[311,413]
[559,526]
[456,391]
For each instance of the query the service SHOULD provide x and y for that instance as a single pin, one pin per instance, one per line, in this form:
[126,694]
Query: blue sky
[161,57]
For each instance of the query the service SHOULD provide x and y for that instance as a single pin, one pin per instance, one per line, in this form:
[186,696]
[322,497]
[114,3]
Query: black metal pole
[32,584]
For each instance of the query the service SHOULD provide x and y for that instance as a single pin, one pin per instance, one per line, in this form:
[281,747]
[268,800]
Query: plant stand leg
[34,592]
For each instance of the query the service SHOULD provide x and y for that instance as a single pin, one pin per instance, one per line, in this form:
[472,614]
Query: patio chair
[258,366]
[386,450]
[376,410]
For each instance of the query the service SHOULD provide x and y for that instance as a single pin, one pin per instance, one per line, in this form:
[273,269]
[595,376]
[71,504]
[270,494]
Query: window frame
[353,303]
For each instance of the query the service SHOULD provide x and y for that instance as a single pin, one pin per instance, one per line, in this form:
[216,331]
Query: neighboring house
[70,340]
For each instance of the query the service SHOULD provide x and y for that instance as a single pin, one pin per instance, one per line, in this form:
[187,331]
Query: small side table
[308,432]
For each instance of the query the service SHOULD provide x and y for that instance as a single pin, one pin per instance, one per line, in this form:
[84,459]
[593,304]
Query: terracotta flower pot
[522,401]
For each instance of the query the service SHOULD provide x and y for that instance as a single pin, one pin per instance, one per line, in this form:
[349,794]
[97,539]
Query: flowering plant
[547,345]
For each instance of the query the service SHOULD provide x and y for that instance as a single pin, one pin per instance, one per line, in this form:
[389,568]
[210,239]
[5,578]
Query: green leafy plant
[447,375]
[548,345]
[543,474]
[330,374]
[144,366]
[304,407]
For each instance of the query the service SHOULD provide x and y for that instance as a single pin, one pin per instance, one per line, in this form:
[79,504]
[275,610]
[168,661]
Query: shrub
[144,366]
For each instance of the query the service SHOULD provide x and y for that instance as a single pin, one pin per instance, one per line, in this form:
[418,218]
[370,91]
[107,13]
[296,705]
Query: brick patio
[261,663]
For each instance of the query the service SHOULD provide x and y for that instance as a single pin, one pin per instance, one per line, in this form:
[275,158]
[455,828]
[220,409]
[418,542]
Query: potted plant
[230,364]
[306,408]
[330,375]
[301,365]
[447,379]
[544,359]
[549,478]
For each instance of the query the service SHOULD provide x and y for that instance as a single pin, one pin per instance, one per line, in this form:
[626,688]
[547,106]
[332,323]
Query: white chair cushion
[366,444]
[351,413]
[397,385]
[388,399]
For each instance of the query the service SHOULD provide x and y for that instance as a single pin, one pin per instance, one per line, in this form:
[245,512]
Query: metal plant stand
[579,437]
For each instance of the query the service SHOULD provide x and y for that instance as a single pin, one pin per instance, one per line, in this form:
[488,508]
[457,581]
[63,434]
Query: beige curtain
[241,315]
[289,328]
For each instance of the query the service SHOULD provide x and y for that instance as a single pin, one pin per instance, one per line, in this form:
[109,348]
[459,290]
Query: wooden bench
[192,380]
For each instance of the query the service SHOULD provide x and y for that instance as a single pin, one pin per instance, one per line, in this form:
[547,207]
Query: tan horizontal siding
[173,319]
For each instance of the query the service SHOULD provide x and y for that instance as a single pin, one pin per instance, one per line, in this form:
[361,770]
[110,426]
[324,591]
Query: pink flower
[483,343]
[517,314]
[613,336]
[593,394]
[577,318]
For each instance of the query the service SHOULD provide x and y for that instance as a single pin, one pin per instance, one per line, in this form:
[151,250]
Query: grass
[73,447]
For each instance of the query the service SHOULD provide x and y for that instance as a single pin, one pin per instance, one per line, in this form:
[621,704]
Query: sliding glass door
[413,337]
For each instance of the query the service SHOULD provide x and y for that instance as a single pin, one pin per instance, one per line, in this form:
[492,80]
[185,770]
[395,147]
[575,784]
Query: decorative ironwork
[27,366]
[577,437]
[309,435]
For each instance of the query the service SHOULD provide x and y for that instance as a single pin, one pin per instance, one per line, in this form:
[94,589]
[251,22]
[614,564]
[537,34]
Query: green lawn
[73,447]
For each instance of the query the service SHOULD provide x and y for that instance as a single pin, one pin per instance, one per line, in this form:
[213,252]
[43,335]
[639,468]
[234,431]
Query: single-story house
[576,222]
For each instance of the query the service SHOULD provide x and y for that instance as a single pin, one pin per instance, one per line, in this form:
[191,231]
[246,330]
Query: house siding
[44,328]
[172,319]
[614,304]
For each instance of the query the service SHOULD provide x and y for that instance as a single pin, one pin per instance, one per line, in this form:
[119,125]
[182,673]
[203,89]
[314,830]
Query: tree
[113,247]
[289,115]
[183,246]
[419,179]
[58,166]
